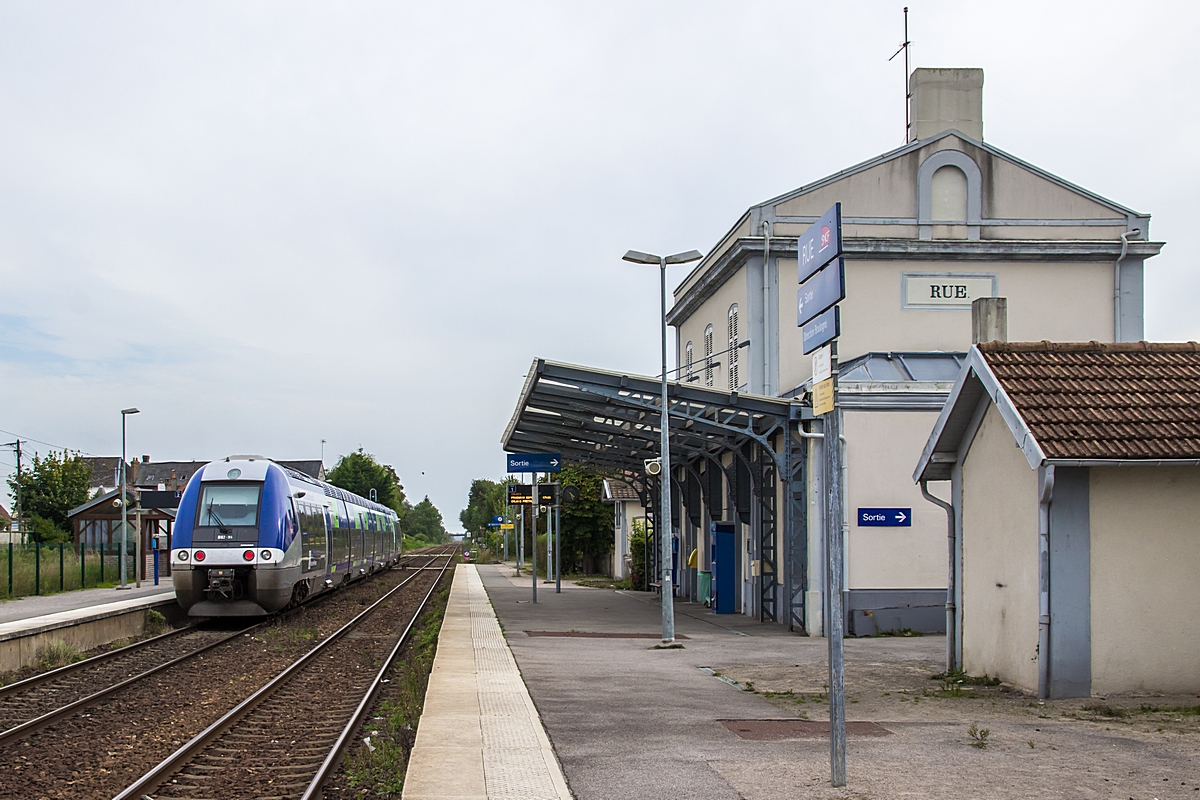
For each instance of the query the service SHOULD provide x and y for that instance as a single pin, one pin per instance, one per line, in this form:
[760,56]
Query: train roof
[329,489]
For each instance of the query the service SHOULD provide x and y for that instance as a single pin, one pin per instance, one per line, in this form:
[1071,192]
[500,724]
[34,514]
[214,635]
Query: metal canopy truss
[608,422]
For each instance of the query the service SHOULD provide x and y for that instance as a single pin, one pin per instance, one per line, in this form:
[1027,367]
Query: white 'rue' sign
[946,290]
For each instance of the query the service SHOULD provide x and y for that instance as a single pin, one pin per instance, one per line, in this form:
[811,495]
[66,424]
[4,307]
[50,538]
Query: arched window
[734,382]
[949,190]
[708,351]
[687,362]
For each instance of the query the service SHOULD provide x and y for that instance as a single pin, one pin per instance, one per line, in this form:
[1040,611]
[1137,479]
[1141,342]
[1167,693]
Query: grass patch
[1149,709]
[57,654]
[1105,710]
[979,736]
[900,632]
[376,767]
[603,583]
[958,677]
[156,623]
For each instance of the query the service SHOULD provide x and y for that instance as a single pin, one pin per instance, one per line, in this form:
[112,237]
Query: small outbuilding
[1075,474]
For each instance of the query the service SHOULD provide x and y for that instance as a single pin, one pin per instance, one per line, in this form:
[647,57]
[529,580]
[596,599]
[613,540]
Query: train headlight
[266,555]
[199,555]
[248,555]
[182,555]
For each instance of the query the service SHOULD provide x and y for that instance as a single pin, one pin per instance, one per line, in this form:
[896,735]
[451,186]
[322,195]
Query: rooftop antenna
[905,47]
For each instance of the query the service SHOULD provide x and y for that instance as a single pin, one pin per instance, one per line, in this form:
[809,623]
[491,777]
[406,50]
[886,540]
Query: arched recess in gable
[949,158]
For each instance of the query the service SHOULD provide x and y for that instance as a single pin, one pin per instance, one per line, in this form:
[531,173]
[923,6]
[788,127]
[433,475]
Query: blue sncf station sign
[885,517]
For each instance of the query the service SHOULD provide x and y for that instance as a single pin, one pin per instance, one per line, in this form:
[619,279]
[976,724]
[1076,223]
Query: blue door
[723,577]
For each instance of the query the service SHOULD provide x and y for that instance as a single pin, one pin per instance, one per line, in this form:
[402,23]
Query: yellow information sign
[507,526]
[823,397]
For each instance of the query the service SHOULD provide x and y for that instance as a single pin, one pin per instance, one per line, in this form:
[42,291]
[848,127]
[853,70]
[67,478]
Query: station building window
[687,362]
[708,351]
[733,348]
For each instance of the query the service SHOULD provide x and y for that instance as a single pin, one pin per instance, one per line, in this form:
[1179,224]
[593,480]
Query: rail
[177,761]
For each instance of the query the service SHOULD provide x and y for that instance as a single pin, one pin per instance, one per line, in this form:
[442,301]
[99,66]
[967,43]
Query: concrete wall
[1066,302]
[715,312]
[881,447]
[1145,545]
[999,558]
[22,651]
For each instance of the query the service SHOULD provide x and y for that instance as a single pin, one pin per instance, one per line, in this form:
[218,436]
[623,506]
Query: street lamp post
[124,506]
[664,502]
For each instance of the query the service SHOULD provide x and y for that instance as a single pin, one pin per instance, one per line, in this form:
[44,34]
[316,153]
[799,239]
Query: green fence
[49,568]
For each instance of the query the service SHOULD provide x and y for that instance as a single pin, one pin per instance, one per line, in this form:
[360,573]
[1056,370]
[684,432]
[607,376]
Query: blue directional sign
[824,328]
[825,289]
[534,462]
[821,243]
[885,517]
[498,519]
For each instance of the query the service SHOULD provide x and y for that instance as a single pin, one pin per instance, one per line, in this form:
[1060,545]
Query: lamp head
[638,257]
[130,411]
[683,258]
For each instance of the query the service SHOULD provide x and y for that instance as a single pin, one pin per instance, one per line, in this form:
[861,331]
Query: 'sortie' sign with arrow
[534,462]
[885,517]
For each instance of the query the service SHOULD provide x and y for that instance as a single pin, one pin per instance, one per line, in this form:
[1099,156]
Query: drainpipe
[950,588]
[766,289]
[803,434]
[1117,283]
[1045,495]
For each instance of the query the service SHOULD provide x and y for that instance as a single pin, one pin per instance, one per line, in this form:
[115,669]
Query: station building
[928,228]
[1075,482]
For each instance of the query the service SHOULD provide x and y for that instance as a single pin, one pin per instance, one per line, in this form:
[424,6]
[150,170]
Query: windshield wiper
[221,526]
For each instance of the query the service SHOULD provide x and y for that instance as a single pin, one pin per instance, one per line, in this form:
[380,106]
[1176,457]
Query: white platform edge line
[548,754]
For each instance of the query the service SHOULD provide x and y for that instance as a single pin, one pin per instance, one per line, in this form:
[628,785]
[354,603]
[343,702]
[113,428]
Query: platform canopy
[610,420]
[731,454]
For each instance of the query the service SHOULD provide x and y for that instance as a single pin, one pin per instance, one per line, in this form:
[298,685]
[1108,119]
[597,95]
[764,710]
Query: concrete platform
[479,736]
[630,722]
[83,619]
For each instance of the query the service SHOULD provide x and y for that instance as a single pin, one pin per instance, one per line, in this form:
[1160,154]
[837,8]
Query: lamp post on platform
[124,506]
[664,511]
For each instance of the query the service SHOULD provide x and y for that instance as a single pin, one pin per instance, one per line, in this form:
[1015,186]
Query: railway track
[286,739]
[36,702]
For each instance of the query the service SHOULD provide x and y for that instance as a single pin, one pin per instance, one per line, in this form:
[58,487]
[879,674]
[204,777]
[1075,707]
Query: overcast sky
[272,223]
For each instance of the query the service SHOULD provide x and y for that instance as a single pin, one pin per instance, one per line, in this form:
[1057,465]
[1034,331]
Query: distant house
[104,473]
[1075,490]
[169,476]
[627,506]
[313,467]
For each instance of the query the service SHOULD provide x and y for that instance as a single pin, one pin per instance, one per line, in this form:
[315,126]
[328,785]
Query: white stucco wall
[1145,577]
[1000,560]
[881,447]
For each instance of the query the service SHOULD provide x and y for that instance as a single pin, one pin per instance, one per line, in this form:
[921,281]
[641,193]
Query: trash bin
[705,586]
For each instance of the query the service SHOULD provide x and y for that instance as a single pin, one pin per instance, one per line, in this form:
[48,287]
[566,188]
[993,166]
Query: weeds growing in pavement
[378,764]
[1105,710]
[979,736]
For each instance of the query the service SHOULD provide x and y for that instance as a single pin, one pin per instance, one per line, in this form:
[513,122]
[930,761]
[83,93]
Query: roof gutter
[1123,462]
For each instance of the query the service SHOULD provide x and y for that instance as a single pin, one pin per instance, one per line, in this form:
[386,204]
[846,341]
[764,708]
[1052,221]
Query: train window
[226,505]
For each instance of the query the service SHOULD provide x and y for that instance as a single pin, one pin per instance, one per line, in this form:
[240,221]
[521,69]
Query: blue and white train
[252,537]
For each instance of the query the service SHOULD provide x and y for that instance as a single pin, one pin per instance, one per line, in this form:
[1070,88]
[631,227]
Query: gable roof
[152,473]
[1077,402]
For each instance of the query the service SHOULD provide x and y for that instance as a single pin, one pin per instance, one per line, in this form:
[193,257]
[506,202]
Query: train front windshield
[226,505]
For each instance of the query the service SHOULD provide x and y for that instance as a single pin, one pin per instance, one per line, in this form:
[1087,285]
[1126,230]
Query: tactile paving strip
[518,762]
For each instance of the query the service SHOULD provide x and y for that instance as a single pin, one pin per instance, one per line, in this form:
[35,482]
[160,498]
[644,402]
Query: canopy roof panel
[610,420]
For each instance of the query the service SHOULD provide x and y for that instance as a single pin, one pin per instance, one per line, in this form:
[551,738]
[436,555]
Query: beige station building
[928,228]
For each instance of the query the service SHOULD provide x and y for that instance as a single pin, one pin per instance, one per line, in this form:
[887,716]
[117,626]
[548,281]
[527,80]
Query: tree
[50,488]
[486,500]
[587,523]
[424,522]
[360,472]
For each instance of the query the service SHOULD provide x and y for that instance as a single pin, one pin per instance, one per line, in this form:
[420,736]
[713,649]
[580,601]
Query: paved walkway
[479,735]
[27,607]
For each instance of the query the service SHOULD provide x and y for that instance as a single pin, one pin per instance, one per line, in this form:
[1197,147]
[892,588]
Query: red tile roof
[1137,400]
